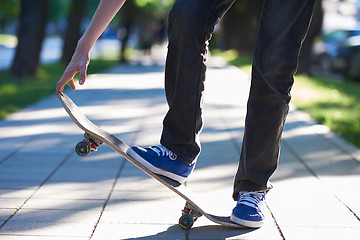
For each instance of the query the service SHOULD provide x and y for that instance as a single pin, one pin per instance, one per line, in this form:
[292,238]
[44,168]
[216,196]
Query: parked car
[339,52]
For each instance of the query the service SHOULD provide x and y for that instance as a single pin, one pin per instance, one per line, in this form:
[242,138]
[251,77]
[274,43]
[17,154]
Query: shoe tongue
[251,199]
[159,149]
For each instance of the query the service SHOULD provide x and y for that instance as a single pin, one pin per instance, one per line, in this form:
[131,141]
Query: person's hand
[104,13]
[78,63]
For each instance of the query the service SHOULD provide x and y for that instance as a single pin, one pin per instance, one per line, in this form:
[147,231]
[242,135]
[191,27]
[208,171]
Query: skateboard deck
[95,136]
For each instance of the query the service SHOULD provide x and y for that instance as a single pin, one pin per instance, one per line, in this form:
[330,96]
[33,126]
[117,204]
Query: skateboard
[94,136]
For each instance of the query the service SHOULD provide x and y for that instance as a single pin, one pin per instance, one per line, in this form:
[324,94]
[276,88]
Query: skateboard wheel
[186,222]
[82,148]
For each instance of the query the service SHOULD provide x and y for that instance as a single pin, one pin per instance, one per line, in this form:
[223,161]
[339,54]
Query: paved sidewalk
[48,192]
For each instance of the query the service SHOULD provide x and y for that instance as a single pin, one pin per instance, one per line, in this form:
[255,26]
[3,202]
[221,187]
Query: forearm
[104,13]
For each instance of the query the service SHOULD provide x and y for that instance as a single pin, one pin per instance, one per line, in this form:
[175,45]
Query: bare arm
[104,13]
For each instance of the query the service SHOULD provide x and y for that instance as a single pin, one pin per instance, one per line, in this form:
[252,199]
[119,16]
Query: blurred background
[48,30]
[38,38]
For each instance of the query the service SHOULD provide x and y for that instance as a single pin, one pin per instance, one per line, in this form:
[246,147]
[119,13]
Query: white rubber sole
[246,223]
[154,169]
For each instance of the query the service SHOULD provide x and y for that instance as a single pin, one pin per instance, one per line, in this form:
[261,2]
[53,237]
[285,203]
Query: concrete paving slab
[36,237]
[5,213]
[325,132]
[102,185]
[216,232]
[66,204]
[16,184]
[343,189]
[147,211]
[85,194]
[138,231]
[158,194]
[139,182]
[53,217]
[313,233]
[15,193]
[59,229]
[11,202]
[318,171]
[332,165]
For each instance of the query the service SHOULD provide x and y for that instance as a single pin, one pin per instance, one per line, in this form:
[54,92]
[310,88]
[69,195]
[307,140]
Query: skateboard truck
[89,144]
[188,217]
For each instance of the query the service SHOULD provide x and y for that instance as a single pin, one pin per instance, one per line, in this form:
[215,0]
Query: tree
[127,20]
[149,17]
[305,57]
[31,33]
[73,30]
[240,25]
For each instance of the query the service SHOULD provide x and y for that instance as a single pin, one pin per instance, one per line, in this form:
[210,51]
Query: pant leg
[191,23]
[283,26]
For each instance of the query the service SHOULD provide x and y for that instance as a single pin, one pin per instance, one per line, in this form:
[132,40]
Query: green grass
[334,104]
[8,40]
[242,61]
[329,102]
[18,93]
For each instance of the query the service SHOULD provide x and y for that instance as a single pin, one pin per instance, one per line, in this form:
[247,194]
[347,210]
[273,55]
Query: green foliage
[58,9]
[9,10]
[155,3]
[91,7]
[16,94]
[155,8]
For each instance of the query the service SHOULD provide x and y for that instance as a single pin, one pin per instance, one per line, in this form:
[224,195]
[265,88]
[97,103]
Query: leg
[191,23]
[282,29]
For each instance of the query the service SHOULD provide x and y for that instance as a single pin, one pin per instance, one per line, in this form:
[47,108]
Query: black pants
[283,26]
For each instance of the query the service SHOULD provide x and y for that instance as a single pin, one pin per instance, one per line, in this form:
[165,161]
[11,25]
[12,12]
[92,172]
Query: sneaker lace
[251,199]
[162,151]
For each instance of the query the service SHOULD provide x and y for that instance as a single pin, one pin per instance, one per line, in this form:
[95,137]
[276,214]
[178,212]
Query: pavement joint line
[132,142]
[116,180]
[318,178]
[16,150]
[299,158]
[355,215]
[67,157]
[276,223]
[108,197]
[329,139]
[187,234]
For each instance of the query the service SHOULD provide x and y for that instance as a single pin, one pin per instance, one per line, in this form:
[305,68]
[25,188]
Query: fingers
[82,74]
[65,78]
[60,87]
[72,84]
[74,67]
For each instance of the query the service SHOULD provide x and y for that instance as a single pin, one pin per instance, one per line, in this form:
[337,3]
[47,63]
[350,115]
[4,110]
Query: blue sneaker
[162,161]
[249,210]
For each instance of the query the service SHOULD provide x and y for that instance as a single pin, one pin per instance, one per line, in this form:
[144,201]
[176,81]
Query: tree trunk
[31,33]
[73,29]
[127,19]
[240,25]
[305,57]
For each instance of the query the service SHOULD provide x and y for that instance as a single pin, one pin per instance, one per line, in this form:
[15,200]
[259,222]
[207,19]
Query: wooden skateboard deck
[191,211]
